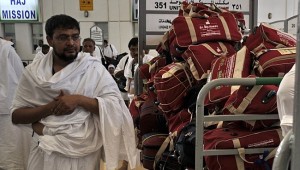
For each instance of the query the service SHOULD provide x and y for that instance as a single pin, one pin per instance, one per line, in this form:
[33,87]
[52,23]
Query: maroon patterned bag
[171,84]
[240,139]
[275,62]
[195,30]
[260,99]
[267,37]
[151,143]
[235,66]
[151,119]
[199,57]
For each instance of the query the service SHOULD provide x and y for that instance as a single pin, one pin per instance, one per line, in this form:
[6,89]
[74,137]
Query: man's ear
[50,41]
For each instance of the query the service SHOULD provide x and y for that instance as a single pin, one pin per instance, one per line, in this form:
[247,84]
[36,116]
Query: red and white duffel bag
[259,99]
[199,57]
[275,62]
[267,37]
[171,84]
[196,30]
[240,139]
[237,65]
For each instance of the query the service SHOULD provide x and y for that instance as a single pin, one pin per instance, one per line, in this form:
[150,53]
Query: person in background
[45,49]
[147,57]
[108,54]
[131,67]
[97,52]
[89,46]
[74,106]
[285,101]
[111,69]
[109,50]
[41,54]
[14,140]
[39,47]
[122,65]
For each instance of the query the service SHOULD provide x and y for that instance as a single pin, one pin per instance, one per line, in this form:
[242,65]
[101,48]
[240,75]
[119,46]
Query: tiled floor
[102,167]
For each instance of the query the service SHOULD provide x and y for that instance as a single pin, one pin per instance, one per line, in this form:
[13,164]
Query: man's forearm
[30,115]
[89,104]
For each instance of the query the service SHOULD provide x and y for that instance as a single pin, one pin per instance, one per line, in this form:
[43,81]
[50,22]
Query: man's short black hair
[60,21]
[133,42]
[45,46]
[105,41]
[88,39]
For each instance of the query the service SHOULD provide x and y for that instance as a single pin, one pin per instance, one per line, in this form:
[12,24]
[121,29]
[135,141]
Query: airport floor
[122,166]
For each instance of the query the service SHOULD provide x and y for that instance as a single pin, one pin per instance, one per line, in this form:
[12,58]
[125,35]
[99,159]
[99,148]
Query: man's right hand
[64,104]
[38,128]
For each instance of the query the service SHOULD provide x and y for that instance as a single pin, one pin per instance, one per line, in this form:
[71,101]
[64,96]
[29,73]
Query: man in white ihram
[74,106]
[14,140]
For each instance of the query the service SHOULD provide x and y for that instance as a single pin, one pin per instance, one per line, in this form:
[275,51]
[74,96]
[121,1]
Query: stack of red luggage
[203,44]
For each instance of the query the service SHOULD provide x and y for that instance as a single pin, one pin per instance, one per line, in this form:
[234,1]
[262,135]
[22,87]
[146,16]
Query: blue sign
[19,10]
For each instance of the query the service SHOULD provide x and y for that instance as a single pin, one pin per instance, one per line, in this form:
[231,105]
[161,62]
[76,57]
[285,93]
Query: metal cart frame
[200,118]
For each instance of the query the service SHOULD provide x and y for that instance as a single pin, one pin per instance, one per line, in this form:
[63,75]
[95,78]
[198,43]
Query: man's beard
[65,58]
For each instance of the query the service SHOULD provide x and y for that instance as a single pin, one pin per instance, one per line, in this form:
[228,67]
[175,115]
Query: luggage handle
[204,14]
[223,47]
[213,9]
[242,155]
[246,101]
[163,147]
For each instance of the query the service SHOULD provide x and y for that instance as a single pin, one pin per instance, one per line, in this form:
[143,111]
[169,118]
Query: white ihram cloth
[14,140]
[80,133]
[97,53]
[285,101]
[38,56]
[129,74]
[11,71]
[110,51]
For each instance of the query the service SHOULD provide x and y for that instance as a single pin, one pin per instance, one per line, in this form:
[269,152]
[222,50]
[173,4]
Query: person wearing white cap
[111,69]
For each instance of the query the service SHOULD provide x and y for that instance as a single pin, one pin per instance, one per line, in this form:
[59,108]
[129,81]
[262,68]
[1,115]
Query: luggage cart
[200,118]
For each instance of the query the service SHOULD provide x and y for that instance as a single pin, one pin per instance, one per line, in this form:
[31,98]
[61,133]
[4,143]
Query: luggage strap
[262,161]
[223,48]
[246,101]
[266,155]
[168,140]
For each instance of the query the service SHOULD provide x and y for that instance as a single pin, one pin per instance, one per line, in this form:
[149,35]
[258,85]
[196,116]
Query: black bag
[168,161]
[105,62]
[120,56]
[121,81]
[185,145]
[151,119]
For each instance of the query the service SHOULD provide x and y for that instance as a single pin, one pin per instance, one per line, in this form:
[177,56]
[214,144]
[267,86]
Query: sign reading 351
[163,5]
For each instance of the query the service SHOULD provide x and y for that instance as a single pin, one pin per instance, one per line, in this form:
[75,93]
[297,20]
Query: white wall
[24,47]
[265,7]
[280,10]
